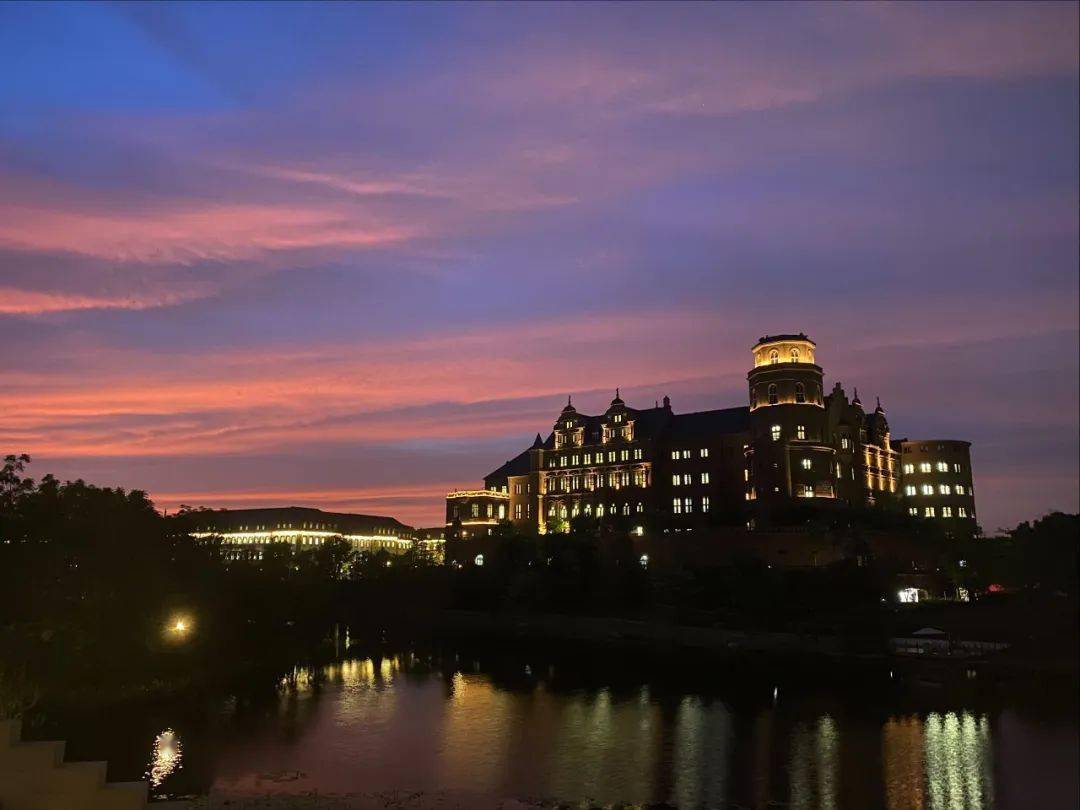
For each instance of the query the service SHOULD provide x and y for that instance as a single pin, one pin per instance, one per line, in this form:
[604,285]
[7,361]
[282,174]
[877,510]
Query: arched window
[772,395]
[800,392]
[774,356]
[794,355]
[753,397]
[479,560]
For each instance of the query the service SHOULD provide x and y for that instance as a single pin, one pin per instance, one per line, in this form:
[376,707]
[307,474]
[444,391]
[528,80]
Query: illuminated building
[246,532]
[657,470]
[936,478]
[475,511]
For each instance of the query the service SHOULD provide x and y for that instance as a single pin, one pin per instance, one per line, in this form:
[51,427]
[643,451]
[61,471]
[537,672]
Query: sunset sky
[353,256]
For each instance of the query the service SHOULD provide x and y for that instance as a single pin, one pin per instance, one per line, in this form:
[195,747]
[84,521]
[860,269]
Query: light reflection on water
[166,756]
[371,725]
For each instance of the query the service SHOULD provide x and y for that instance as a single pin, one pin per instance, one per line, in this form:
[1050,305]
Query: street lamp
[179,627]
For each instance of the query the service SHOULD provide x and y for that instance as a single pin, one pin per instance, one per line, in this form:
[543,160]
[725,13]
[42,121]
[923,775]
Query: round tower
[788,454]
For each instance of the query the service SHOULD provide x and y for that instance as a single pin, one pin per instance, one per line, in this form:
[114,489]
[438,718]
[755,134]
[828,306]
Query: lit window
[704,478]
[913,510]
[688,505]
[687,479]
[807,491]
[773,398]
[562,461]
[909,469]
[517,511]
[924,467]
[676,480]
[774,356]
[704,452]
[956,468]
[676,506]
[794,355]
[961,511]
[959,489]
[909,490]
[944,489]
[942,466]
[479,560]
[502,511]
[575,460]
[800,392]
[775,430]
[946,511]
[686,454]
[618,418]
[624,455]
[705,504]
[640,507]
[807,464]
[927,489]
[674,455]
[476,510]
[929,512]
[845,443]
[637,454]
[611,455]
[588,458]
[800,431]
[746,474]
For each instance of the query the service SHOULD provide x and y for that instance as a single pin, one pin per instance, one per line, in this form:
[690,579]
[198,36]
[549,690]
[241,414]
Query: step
[121,796]
[39,755]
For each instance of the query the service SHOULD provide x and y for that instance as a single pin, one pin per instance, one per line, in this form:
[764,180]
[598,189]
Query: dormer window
[618,418]
[569,425]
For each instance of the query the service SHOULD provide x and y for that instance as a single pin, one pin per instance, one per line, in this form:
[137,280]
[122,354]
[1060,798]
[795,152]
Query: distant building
[662,471]
[248,531]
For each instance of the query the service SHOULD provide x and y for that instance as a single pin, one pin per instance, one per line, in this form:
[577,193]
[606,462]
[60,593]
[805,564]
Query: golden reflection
[902,752]
[166,755]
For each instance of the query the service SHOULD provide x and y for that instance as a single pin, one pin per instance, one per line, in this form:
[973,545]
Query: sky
[354,256]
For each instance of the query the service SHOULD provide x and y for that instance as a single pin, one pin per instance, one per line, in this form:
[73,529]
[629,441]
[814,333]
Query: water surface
[516,724]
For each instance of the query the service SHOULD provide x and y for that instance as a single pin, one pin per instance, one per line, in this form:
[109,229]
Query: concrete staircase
[34,776]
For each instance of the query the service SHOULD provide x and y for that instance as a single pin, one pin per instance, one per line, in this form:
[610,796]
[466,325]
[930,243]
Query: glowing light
[166,755]
[908,595]
[179,627]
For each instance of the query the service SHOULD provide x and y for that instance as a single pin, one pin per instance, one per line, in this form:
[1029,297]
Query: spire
[618,399]
[537,442]
[667,402]
[879,408]
[569,406]
[857,401]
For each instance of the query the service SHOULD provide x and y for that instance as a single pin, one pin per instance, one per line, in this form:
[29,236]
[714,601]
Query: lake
[610,727]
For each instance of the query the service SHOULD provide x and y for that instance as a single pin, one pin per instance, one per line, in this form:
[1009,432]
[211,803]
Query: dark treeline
[92,579]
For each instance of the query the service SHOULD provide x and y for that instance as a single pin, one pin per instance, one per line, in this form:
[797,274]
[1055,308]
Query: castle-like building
[660,471]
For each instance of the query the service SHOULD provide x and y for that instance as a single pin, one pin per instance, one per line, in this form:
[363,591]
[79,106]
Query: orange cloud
[32,302]
[216,231]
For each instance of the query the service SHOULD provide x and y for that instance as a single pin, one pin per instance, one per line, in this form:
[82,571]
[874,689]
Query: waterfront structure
[660,471]
[247,532]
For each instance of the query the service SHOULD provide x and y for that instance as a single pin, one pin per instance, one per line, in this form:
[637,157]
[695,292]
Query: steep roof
[710,423]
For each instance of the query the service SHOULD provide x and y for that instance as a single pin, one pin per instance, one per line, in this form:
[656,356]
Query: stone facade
[659,472]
